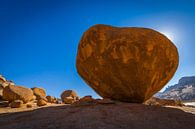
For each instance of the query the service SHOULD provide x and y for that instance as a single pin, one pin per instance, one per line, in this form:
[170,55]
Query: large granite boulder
[126,64]
[11,93]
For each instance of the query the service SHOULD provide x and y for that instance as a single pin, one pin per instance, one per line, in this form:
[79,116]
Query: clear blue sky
[39,38]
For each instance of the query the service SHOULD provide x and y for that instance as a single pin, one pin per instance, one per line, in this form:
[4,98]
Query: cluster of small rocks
[163,102]
[15,96]
[71,97]
[89,100]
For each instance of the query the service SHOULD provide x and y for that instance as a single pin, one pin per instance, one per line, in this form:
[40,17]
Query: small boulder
[41,102]
[51,99]
[41,97]
[86,100]
[39,92]
[11,93]
[72,96]
[69,100]
[16,104]
[29,105]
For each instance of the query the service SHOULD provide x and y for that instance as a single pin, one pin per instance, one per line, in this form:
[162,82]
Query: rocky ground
[24,108]
[190,103]
[100,116]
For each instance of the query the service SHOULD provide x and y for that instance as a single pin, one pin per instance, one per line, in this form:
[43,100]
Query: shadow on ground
[113,116]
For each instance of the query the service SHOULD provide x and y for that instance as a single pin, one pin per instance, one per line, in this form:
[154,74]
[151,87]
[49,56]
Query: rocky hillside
[184,90]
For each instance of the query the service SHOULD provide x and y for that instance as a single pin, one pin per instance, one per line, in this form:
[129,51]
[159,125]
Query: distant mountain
[184,90]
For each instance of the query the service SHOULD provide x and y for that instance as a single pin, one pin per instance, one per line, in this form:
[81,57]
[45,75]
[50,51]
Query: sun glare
[169,35]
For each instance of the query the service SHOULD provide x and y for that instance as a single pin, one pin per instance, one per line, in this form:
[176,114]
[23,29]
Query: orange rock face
[11,93]
[69,96]
[39,92]
[126,64]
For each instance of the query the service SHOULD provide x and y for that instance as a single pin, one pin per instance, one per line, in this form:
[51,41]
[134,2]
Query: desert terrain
[99,116]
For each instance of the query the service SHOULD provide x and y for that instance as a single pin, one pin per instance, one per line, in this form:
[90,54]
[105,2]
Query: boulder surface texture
[11,93]
[69,96]
[127,64]
[39,92]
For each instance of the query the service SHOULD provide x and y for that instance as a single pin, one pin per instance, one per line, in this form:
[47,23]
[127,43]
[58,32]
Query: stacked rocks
[40,95]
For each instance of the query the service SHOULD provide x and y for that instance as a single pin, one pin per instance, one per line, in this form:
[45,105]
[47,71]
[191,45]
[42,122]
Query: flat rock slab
[112,116]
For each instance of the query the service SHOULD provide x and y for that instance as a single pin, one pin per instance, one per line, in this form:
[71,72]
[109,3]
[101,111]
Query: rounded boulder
[39,92]
[127,64]
[11,93]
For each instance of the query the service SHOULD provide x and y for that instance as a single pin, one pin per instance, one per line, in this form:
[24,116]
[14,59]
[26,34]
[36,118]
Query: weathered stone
[51,99]
[29,105]
[163,102]
[85,101]
[38,97]
[3,85]
[126,64]
[68,100]
[16,104]
[39,92]
[70,94]
[88,99]
[11,93]
[41,102]
[34,97]
[7,83]
[2,79]
[2,82]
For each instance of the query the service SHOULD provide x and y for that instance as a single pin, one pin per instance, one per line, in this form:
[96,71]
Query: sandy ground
[190,103]
[24,108]
[185,109]
[112,116]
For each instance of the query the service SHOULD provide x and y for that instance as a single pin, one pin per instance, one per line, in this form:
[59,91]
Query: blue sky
[39,38]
